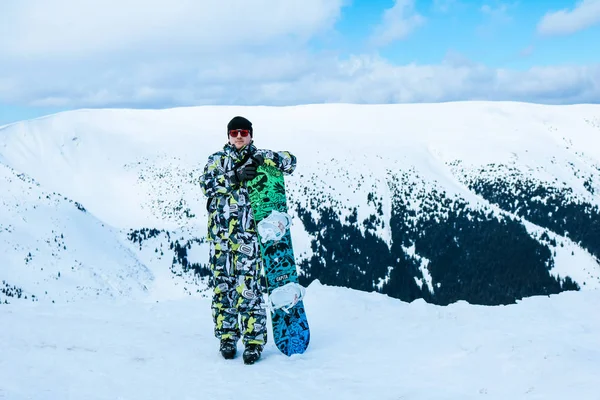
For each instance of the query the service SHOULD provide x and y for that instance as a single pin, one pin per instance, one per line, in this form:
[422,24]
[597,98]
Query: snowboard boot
[252,353]
[228,348]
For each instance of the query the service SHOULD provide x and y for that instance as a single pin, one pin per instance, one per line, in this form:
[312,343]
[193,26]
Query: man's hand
[245,173]
[258,159]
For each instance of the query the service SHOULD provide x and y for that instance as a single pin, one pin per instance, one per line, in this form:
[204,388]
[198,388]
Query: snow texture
[364,346]
[134,169]
[114,319]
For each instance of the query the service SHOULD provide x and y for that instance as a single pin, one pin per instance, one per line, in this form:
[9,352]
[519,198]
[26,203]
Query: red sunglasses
[243,132]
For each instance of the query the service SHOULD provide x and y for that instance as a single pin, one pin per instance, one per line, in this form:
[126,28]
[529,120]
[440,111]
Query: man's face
[239,138]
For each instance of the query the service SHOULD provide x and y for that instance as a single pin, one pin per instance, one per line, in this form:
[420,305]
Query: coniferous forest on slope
[473,255]
[442,249]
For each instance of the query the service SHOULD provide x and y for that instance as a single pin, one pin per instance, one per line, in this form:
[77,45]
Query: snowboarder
[238,306]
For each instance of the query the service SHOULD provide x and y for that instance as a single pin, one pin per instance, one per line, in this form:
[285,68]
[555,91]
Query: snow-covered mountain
[53,248]
[478,201]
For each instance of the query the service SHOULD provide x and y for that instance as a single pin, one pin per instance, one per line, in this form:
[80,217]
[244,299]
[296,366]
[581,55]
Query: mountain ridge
[476,201]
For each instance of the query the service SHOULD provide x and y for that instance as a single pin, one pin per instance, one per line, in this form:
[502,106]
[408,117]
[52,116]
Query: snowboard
[291,332]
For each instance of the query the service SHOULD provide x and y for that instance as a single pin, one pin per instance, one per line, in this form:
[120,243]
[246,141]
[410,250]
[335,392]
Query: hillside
[52,248]
[477,201]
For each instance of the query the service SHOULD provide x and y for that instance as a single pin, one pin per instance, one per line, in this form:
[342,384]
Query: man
[234,249]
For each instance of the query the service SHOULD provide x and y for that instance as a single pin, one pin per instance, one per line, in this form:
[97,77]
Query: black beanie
[239,123]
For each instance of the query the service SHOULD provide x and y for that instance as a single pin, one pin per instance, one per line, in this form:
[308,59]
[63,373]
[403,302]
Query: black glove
[245,173]
[258,159]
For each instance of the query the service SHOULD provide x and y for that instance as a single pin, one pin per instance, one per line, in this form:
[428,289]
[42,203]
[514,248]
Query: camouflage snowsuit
[234,250]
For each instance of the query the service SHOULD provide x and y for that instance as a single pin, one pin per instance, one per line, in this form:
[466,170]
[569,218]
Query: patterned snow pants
[238,306]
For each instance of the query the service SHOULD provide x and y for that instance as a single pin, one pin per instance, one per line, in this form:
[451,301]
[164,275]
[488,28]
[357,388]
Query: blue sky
[63,55]
[491,32]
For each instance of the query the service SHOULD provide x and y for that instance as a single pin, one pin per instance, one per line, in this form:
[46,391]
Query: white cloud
[564,22]
[397,23]
[260,56]
[301,78]
[457,79]
[496,17]
[498,13]
[79,28]
[444,6]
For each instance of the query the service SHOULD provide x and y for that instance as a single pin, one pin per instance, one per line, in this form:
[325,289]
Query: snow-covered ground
[363,346]
[114,322]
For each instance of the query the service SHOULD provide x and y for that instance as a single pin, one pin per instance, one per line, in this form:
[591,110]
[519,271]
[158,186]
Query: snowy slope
[411,200]
[364,346]
[53,249]
[139,169]
[105,157]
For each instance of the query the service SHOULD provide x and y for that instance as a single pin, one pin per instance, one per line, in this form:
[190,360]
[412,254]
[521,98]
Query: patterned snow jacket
[229,213]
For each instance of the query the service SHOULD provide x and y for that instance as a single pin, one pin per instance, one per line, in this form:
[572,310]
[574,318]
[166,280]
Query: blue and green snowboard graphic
[268,198]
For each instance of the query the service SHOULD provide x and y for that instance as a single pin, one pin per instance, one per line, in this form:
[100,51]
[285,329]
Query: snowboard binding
[286,297]
[274,226]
